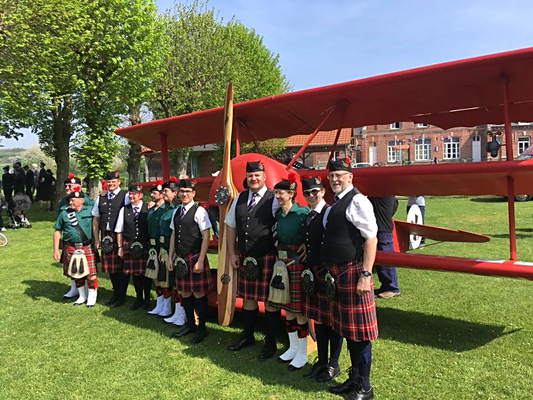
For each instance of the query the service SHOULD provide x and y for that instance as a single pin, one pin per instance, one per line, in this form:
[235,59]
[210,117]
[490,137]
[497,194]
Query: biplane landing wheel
[3,240]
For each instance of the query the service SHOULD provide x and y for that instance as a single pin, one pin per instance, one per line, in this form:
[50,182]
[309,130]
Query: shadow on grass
[54,291]
[435,331]
[495,199]
[506,235]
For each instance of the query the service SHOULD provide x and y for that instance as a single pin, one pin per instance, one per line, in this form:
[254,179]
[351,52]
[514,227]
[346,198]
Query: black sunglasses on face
[313,192]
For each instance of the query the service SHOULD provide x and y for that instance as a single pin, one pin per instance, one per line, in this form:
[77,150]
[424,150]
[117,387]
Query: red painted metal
[163,138]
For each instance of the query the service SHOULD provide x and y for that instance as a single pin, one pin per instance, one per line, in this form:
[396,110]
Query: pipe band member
[74,224]
[316,305]
[289,239]
[188,249]
[250,220]
[348,251]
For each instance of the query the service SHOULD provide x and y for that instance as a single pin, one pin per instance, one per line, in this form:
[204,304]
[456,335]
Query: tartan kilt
[352,316]
[256,289]
[194,282]
[111,262]
[89,254]
[316,306]
[131,265]
[295,285]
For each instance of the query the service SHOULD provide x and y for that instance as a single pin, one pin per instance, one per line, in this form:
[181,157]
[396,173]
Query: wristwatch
[366,273]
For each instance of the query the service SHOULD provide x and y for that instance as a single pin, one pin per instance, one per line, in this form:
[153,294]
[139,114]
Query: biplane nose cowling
[275,171]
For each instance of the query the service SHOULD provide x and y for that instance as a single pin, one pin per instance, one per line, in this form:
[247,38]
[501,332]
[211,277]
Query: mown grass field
[448,336]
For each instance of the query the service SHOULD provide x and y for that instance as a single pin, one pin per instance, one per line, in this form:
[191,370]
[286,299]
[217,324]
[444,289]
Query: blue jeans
[387,275]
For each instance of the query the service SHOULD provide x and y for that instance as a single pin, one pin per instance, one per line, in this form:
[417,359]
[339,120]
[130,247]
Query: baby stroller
[15,211]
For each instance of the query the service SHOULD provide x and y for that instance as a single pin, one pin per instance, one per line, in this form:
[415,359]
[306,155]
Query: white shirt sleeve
[96,211]
[275,207]
[173,214]
[230,216]
[119,227]
[201,217]
[361,214]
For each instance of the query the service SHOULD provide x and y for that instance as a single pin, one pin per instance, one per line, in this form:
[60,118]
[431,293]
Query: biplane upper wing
[467,92]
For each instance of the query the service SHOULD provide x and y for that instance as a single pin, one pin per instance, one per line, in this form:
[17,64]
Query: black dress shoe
[112,300]
[267,352]
[199,336]
[136,305]
[119,303]
[315,370]
[147,305]
[185,331]
[240,344]
[328,373]
[348,385]
[362,394]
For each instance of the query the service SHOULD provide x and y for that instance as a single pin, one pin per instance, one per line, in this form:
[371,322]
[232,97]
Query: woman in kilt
[188,245]
[316,305]
[289,237]
[133,242]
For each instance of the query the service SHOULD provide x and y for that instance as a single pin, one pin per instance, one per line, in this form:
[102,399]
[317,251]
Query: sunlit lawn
[448,336]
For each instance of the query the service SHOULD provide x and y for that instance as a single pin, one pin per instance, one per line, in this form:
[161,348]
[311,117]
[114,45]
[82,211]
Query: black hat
[6,168]
[286,184]
[111,175]
[310,183]
[340,165]
[187,183]
[158,186]
[255,166]
[42,163]
[17,163]
[172,183]
[72,179]
[135,187]
[75,194]
[25,167]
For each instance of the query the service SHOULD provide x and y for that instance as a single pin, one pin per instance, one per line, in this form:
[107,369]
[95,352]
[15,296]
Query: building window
[523,143]
[395,125]
[423,149]
[451,148]
[421,125]
[476,138]
[393,153]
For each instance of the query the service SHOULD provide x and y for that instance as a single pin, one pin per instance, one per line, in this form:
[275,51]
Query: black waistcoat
[342,241]
[109,210]
[136,230]
[254,230]
[187,234]
[313,238]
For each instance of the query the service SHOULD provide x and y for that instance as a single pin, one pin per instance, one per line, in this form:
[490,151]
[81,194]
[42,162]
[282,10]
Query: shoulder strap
[71,215]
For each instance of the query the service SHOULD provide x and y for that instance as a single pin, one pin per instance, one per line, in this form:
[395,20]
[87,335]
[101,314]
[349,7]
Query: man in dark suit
[28,180]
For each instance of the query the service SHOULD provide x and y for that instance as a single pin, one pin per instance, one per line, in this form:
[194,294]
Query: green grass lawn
[448,336]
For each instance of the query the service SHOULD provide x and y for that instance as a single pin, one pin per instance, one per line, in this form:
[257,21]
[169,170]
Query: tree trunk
[180,157]
[62,132]
[134,161]
[94,187]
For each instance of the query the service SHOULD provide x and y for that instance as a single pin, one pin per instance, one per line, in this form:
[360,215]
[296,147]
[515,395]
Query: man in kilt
[133,244]
[188,245]
[74,224]
[72,183]
[250,220]
[105,214]
[348,252]
[316,305]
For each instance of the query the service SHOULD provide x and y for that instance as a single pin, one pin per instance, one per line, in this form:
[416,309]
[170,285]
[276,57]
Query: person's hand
[170,264]
[198,267]
[56,255]
[96,244]
[121,252]
[364,285]
[234,261]
[302,252]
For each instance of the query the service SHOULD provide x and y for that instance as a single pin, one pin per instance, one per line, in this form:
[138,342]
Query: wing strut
[256,142]
[332,152]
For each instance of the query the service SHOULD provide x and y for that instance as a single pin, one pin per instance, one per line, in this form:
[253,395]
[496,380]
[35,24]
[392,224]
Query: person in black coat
[8,180]
[28,182]
[19,178]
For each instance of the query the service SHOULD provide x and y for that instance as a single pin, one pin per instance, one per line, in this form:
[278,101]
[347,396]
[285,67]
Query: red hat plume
[76,189]
[104,184]
[159,182]
[70,175]
[173,179]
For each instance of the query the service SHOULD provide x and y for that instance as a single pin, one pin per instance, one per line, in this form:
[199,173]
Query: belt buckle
[282,254]
[152,242]
[78,244]
[162,239]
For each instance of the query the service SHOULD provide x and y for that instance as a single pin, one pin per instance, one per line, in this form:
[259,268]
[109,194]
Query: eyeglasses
[313,192]
[336,175]
[186,191]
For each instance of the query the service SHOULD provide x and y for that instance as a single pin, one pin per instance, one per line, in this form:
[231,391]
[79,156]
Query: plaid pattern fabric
[89,253]
[111,262]
[195,282]
[352,316]
[316,307]
[295,285]
[256,289]
[132,266]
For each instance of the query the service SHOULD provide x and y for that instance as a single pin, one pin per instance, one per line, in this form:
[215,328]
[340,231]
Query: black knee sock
[322,341]
[138,285]
[335,344]
[271,320]
[147,287]
[188,305]
[361,358]
[201,308]
[123,288]
[115,284]
[250,317]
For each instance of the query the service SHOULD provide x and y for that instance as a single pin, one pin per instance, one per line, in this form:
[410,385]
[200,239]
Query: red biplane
[495,89]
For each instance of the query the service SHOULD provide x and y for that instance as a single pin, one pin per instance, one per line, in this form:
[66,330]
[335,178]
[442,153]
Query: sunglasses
[186,191]
[313,192]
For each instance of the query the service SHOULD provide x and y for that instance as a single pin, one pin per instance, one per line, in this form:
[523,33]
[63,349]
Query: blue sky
[324,42]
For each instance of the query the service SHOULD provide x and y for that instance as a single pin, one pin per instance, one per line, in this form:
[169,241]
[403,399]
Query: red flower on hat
[173,179]
[347,160]
[194,181]
[291,178]
[159,182]
[76,189]
[140,187]
[104,184]
[118,174]
[70,175]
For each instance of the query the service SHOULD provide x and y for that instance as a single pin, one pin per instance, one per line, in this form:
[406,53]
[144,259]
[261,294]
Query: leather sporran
[251,268]
[136,250]
[308,282]
[107,244]
[181,268]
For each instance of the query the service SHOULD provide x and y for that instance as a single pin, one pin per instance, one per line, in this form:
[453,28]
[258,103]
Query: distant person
[3,204]
[8,181]
[435,161]
[35,171]
[420,201]
[49,190]
[28,181]
[41,185]
[19,177]
[384,209]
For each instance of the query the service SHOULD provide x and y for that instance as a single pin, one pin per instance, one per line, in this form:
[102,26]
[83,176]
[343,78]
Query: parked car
[361,165]
[526,155]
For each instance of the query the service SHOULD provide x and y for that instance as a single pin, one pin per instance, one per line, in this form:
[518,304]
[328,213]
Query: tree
[204,55]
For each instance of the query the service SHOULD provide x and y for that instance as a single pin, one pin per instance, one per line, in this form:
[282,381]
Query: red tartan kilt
[111,262]
[194,282]
[89,254]
[316,306]
[256,289]
[352,316]
[131,265]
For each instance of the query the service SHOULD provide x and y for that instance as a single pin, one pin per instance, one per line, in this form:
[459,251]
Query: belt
[73,244]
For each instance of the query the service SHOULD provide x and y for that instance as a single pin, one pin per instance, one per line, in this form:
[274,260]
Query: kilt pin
[195,282]
[111,262]
[256,289]
[68,251]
